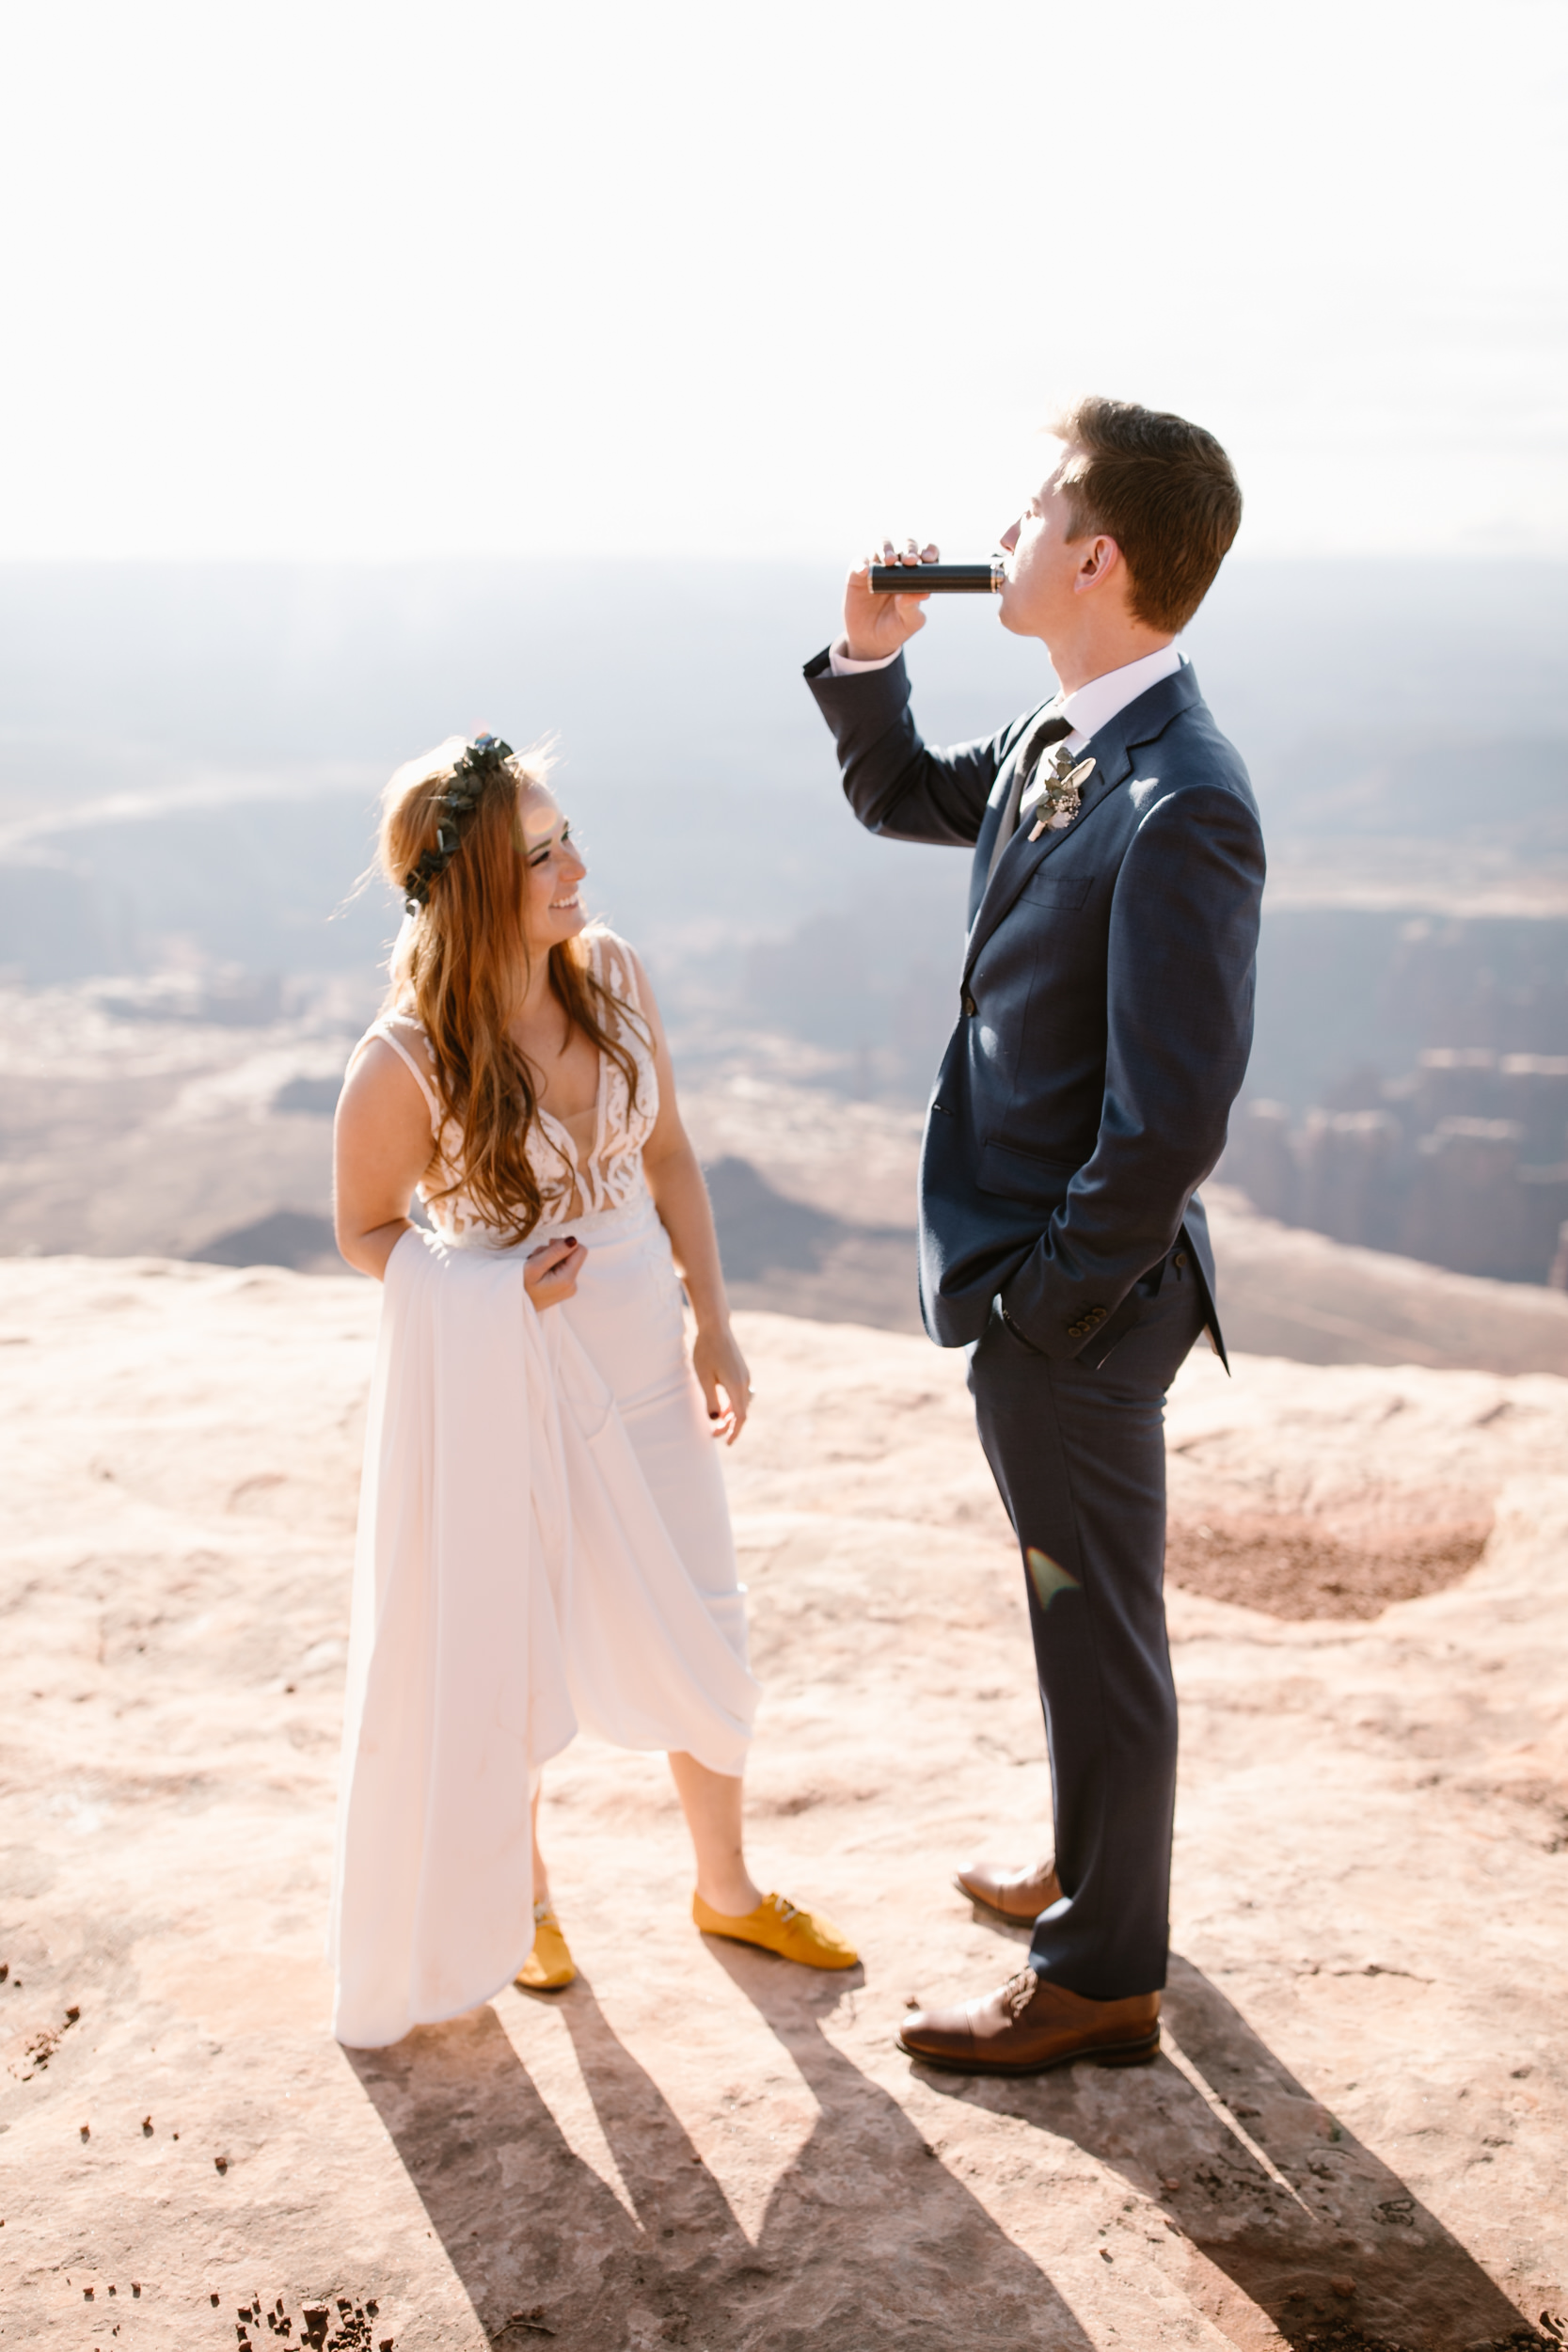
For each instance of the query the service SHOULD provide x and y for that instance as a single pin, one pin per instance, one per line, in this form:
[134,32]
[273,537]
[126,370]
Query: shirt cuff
[840,664]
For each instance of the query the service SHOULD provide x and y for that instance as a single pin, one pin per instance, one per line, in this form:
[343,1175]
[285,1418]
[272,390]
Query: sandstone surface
[1354,2135]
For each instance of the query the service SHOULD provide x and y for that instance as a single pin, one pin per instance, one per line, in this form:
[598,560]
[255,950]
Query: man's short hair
[1164,490]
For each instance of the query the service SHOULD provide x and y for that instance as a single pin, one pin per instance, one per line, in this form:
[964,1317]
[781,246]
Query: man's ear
[1099,559]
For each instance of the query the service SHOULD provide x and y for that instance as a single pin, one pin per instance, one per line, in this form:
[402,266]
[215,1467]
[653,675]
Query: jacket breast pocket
[1001,1168]
[1047,888]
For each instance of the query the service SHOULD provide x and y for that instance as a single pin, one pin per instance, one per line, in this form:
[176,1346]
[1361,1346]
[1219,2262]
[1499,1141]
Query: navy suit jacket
[1105,1007]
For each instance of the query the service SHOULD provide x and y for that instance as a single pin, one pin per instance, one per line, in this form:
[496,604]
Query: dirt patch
[1296,1568]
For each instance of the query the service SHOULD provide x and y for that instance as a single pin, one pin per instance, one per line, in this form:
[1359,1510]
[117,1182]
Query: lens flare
[1048,1577]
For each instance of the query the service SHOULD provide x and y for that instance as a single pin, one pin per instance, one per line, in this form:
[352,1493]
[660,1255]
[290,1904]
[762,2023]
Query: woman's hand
[721,1370]
[550,1271]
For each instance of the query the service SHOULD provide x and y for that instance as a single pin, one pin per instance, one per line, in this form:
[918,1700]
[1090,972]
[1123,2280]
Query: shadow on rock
[526,2224]
[866,2241]
[1282,2202]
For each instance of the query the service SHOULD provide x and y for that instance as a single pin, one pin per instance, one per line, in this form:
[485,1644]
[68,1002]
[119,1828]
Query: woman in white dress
[544,1538]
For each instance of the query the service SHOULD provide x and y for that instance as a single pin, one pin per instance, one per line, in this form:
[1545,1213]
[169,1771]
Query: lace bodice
[571,1183]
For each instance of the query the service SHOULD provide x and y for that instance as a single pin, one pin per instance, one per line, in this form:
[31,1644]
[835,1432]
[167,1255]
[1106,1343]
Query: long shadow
[868,2243]
[1279,2197]
[523,2220]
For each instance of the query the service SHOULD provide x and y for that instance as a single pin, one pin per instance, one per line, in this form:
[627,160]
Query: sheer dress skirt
[544,1544]
[629,1318]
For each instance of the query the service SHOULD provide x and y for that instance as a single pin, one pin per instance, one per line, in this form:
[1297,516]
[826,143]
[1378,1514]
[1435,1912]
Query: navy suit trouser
[1079,1455]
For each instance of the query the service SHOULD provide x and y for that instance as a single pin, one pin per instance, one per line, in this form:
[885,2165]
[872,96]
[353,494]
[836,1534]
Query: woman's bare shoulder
[400,1027]
[616,962]
[391,1059]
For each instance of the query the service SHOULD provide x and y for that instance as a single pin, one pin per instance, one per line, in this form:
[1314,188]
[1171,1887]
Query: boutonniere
[1054,798]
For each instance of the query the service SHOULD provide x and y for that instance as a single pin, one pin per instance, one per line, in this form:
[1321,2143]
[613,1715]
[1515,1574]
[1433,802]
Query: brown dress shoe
[1031,2025]
[1016,1897]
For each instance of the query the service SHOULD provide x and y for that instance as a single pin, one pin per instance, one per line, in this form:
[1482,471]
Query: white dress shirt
[1089,707]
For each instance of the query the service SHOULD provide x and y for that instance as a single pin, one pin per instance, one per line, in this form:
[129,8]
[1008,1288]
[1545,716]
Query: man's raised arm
[895,782]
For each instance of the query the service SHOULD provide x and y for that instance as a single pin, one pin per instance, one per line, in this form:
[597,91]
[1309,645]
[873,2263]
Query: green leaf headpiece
[484,758]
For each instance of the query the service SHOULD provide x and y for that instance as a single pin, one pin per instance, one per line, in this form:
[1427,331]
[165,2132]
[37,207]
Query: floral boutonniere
[1054,798]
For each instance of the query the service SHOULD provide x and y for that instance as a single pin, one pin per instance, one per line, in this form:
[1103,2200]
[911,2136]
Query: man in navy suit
[1103,1026]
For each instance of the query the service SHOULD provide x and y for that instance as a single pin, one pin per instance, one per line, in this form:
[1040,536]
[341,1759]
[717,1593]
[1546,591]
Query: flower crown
[484,758]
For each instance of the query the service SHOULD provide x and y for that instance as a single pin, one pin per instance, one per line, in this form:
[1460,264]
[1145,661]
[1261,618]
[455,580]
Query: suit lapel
[1112,750]
[997,801]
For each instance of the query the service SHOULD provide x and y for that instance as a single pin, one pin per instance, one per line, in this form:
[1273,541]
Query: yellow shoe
[550,1965]
[780,1927]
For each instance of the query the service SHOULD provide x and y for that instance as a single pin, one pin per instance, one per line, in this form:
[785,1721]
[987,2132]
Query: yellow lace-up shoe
[781,1927]
[550,1965]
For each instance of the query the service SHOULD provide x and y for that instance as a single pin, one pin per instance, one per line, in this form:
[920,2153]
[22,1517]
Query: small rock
[221,2162]
[1106,2256]
[147,2127]
[86,2132]
[86,2294]
[72,2016]
[1343,2285]
[1170,2180]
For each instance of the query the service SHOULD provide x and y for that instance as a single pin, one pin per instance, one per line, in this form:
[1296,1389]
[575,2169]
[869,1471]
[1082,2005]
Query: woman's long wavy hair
[460,967]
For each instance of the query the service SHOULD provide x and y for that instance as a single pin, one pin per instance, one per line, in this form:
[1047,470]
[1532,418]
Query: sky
[344,281]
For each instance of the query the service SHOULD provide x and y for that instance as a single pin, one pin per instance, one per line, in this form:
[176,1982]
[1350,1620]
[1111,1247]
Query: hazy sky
[353,281]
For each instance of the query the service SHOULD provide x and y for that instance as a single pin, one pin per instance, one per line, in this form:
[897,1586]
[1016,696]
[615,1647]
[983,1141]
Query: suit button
[1180,1259]
[1096,1316]
[969,1005]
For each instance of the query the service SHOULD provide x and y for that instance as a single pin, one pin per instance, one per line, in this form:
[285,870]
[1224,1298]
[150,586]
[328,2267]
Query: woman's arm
[680,1196]
[381,1147]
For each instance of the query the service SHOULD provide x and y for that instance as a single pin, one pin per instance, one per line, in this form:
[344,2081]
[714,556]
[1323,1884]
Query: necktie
[1050,730]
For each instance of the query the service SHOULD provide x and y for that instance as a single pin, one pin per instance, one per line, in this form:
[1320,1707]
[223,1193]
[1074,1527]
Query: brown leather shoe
[1031,2025]
[1016,1897]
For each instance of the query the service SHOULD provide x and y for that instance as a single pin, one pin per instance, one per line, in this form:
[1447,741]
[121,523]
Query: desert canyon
[1354,2137]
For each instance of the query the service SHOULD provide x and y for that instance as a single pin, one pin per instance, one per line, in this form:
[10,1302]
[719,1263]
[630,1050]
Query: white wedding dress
[544,1544]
